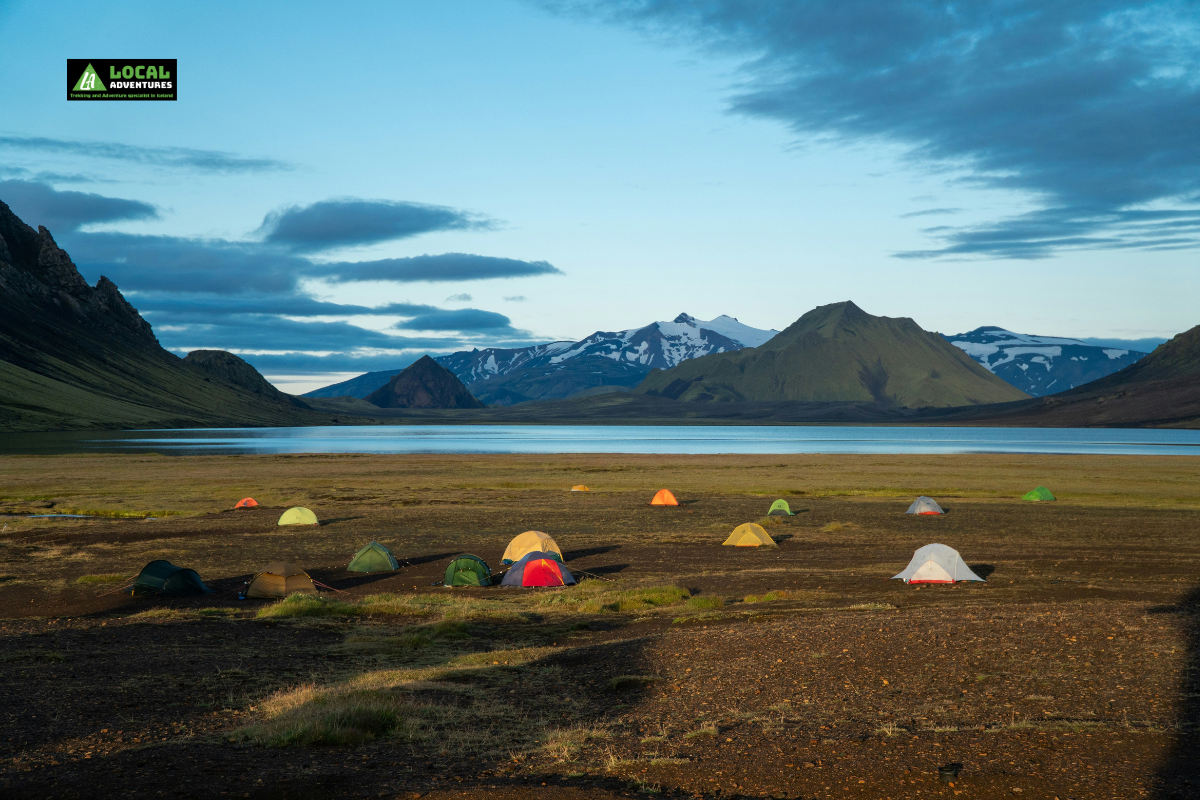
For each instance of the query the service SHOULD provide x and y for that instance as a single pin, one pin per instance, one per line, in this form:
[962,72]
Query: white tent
[924,505]
[936,563]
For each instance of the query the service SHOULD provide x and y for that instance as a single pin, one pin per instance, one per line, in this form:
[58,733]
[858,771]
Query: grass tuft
[789,594]
[90,580]
[701,732]
[309,716]
[701,603]
[835,526]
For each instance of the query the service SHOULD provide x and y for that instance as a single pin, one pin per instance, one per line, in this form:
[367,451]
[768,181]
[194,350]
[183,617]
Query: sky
[343,188]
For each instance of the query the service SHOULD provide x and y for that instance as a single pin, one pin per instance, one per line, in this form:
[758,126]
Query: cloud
[930,212]
[459,298]
[516,298]
[185,158]
[1088,107]
[39,204]
[349,221]
[444,267]
[467,319]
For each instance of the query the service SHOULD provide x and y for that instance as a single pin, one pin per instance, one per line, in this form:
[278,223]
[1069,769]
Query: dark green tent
[468,570]
[373,557]
[780,508]
[164,578]
[1039,494]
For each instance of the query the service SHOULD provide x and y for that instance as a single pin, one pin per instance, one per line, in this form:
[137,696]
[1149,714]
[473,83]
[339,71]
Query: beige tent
[279,579]
[750,535]
[298,516]
[530,542]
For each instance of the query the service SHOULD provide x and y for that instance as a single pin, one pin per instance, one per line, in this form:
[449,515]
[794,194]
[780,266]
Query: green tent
[373,557]
[468,570]
[164,578]
[780,508]
[1039,494]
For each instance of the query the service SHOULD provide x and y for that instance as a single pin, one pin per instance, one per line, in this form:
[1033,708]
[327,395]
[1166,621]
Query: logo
[89,81]
[122,79]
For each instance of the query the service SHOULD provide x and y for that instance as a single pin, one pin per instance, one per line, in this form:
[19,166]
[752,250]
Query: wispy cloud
[930,212]
[349,221]
[38,204]
[184,158]
[1089,107]
[459,298]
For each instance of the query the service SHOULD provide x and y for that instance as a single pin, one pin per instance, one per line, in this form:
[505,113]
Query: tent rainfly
[246,502]
[164,578]
[279,579]
[750,535]
[925,506]
[530,542]
[538,569]
[1038,495]
[664,498]
[298,516]
[468,570]
[373,557]
[936,563]
[580,488]
[780,508]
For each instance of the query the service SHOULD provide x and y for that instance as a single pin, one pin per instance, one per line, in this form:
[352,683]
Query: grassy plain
[677,666]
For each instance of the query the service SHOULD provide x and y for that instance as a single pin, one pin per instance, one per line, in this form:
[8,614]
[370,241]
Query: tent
[246,502]
[298,516]
[1040,494]
[538,569]
[664,498]
[530,542]
[468,570]
[373,557]
[924,506]
[780,508]
[164,578]
[936,563]
[750,535]
[279,579]
[580,488]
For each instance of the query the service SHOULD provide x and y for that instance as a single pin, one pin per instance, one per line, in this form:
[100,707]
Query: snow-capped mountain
[1041,365]
[616,359]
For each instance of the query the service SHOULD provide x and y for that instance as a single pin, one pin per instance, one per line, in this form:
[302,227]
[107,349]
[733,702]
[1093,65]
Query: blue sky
[344,188]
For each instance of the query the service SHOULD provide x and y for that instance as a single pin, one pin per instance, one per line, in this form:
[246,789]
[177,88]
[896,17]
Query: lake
[694,440]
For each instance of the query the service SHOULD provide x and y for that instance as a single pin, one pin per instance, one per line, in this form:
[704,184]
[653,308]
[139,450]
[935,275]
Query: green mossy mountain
[841,353]
[78,356]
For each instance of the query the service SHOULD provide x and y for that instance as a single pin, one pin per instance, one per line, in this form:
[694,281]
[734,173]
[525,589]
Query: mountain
[80,356]
[605,361]
[839,352]
[424,384]
[1160,390]
[1041,365]
[237,372]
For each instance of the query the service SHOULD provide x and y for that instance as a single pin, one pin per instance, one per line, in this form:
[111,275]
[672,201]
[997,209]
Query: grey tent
[924,505]
[936,563]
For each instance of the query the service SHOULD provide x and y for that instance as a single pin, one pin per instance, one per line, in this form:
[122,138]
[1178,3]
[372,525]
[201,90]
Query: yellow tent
[279,579]
[298,516]
[750,535]
[580,488]
[529,542]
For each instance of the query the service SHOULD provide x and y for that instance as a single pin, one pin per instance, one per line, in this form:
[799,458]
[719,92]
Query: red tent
[246,502]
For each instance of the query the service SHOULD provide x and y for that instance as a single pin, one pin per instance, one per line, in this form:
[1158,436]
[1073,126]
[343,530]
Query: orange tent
[580,488]
[664,498]
[246,502]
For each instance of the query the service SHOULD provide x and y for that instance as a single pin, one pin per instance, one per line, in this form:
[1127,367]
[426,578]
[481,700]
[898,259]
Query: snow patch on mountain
[1060,363]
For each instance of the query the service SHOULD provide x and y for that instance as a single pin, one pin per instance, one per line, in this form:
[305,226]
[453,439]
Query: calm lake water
[696,440]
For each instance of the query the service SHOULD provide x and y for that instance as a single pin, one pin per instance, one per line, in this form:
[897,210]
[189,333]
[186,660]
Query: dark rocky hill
[839,353]
[424,384]
[80,356]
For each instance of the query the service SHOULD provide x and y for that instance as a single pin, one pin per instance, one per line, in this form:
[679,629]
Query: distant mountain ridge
[1041,365]
[839,353]
[604,361]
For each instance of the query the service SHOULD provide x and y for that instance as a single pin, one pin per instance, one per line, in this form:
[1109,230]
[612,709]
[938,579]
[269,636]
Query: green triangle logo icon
[89,81]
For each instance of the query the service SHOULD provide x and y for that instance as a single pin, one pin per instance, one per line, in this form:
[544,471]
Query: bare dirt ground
[799,671]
